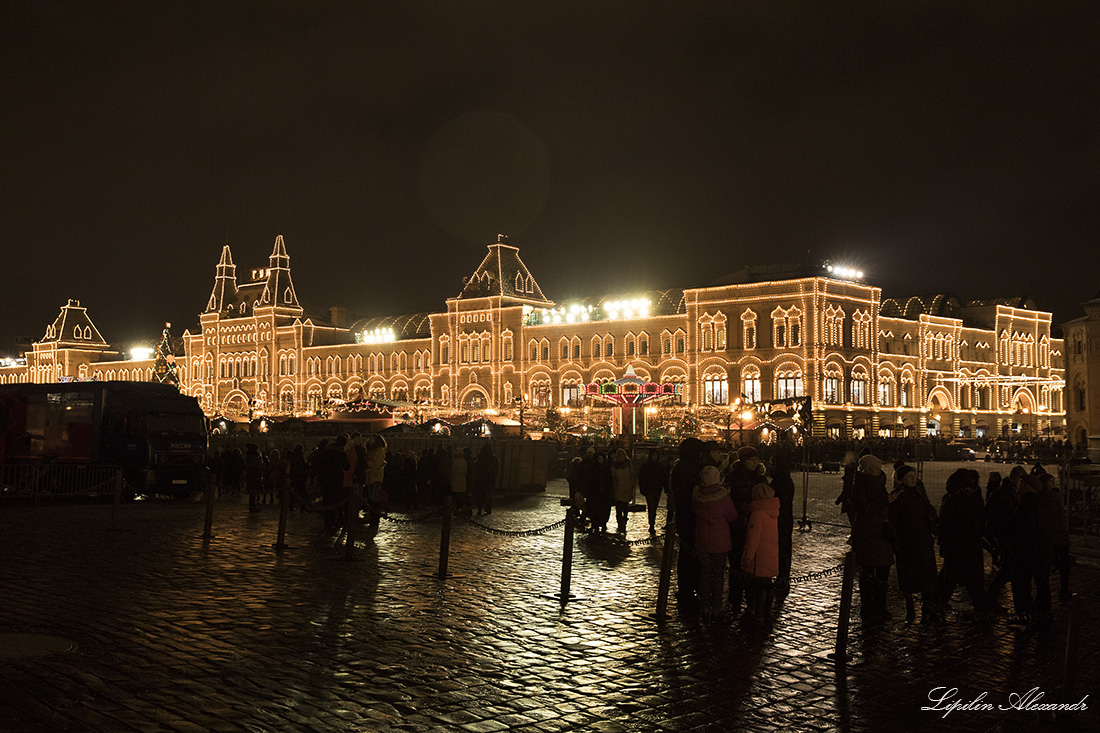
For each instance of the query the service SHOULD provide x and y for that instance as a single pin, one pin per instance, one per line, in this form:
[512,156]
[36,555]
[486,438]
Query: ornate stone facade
[1083,374]
[872,366]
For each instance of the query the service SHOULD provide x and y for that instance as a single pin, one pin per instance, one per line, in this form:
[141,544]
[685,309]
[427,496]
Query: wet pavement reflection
[175,633]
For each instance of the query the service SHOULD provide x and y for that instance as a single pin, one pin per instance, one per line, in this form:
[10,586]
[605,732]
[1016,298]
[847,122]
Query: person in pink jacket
[714,512]
[761,554]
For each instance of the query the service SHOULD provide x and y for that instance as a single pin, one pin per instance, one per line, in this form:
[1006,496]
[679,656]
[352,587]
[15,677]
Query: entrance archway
[474,398]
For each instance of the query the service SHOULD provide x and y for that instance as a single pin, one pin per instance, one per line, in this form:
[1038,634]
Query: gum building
[872,366]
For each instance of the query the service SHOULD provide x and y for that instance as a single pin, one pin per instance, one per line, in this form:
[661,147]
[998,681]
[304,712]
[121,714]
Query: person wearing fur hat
[714,511]
[913,520]
[873,552]
[960,535]
[746,472]
[760,555]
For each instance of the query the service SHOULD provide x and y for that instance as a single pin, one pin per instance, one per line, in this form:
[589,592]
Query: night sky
[622,146]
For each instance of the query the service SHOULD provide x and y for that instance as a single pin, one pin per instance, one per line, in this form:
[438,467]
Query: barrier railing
[52,480]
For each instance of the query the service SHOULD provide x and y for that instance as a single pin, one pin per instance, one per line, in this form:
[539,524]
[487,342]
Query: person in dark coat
[1061,558]
[652,480]
[299,479]
[485,479]
[992,484]
[598,504]
[747,471]
[999,508]
[869,511]
[913,519]
[960,535]
[1032,538]
[425,474]
[233,466]
[330,477]
[682,481]
[783,486]
[253,476]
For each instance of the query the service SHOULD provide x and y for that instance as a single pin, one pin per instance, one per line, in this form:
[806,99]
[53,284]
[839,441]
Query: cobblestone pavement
[176,634]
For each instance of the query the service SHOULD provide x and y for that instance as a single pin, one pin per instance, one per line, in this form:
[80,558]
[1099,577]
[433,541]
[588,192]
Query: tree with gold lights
[164,370]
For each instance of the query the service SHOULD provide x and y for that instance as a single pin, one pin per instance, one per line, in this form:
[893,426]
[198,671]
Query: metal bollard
[284,503]
[208,526]
[840,654]
[445,542]
[567,558]
[353,516]
[1069,669]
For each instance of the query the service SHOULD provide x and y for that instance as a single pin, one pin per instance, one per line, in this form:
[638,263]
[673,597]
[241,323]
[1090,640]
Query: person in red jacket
[760,557]
[714,512]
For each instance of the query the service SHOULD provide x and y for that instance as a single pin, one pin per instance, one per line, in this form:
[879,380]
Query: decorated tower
[164,371]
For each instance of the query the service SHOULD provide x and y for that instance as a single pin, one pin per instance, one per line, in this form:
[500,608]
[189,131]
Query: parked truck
[153,433]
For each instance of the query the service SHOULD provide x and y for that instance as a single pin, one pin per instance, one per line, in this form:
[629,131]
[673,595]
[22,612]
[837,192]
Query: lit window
[715,390]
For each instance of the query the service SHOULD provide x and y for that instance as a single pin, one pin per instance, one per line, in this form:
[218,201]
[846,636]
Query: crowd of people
[364,467]
[733,514]
[735,511]
[1020,523]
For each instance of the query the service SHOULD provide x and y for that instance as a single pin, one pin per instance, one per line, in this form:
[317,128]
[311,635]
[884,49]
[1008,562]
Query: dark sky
[942,146]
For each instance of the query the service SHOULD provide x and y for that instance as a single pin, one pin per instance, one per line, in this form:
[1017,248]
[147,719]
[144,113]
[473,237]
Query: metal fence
[46,481]
[1082,491]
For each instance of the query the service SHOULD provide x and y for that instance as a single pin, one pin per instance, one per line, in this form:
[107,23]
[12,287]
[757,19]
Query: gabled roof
[503,274]
[73,327]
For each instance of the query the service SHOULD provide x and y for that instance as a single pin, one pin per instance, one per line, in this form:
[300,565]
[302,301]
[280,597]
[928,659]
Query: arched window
[750,383]
[831,386]
[748,330]
[834,325]
[788,383]
[857,387]
[715,388]
[885,389]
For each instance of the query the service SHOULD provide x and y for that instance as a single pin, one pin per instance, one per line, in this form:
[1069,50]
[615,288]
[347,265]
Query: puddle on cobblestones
[25,646]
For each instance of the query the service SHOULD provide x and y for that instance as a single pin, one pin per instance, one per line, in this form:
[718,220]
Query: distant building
[899,366]
[1082,337]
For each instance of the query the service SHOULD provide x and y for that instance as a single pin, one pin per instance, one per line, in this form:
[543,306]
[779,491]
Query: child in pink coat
[714,512]
[761,554]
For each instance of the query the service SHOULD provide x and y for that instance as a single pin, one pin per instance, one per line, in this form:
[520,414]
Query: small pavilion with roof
[630,394]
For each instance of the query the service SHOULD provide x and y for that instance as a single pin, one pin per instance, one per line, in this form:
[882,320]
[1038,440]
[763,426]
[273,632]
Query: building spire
[279,289]
[225,283]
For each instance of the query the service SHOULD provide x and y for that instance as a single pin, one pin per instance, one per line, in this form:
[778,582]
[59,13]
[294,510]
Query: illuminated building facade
[1082,336]
[872,366]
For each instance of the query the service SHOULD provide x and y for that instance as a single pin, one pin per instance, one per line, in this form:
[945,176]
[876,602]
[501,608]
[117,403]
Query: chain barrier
[512,532]
[615,538]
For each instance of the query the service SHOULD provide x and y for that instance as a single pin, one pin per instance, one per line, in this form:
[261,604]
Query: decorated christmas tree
[164,371]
